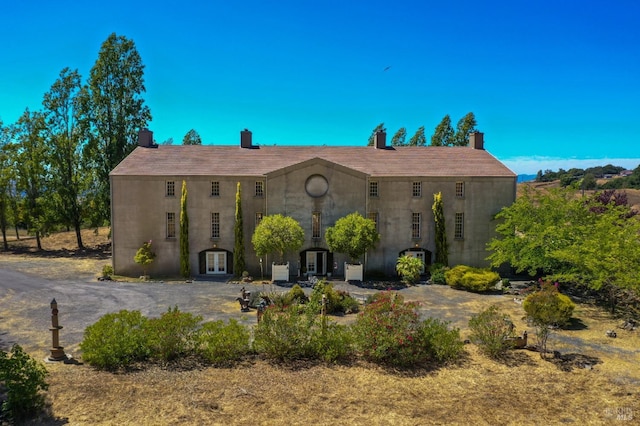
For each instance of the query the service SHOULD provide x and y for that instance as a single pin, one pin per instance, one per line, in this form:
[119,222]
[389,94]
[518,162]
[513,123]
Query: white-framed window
[459,189]
[459,226]
[374,217]
[259,188]
[417,189]
[215,225]
[316,225]
[259,216]
[171,188]
[416,219]
[171,225]
[373,188]
[215,188]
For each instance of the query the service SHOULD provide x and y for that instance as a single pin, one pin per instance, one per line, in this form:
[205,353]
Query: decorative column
[57,351]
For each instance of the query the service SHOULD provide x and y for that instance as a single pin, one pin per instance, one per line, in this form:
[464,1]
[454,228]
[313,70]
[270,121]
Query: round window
[316,186]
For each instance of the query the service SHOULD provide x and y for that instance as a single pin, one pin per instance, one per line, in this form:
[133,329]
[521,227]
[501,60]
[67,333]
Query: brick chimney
[476,140]
[245,139]
[380,139]
[145,138]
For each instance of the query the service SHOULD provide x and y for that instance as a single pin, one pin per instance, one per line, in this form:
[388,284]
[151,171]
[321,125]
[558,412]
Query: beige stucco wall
[139,208]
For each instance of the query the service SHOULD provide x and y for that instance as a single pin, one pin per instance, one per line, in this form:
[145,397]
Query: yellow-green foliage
[472,279]
[548,306]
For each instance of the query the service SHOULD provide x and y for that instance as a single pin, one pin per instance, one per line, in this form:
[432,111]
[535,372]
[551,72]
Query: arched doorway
[215,261]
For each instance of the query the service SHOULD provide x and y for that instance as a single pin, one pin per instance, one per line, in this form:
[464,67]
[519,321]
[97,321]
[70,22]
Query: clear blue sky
[552,83]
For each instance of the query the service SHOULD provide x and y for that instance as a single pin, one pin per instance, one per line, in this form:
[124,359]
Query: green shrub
[546,308]
[437,271]
[336,301]
[409,268]
[472,279]
[283,334]
[24,379]
[172,335]
[223,345]
[443,344]
[491,329]
[295,333]
[115,341]
[295,295]
[107,271]
[388,331]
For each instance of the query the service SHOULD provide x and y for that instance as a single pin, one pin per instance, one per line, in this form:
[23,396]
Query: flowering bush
[389,331]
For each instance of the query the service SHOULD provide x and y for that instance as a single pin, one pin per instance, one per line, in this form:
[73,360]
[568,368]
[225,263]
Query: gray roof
[216,160]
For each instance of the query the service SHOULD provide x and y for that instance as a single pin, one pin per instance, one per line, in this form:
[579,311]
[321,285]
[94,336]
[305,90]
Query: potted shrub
[278,235]
[352,235]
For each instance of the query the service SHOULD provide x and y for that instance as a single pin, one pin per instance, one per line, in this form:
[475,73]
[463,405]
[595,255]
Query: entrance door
[216,262]
[420,255]
[316,262]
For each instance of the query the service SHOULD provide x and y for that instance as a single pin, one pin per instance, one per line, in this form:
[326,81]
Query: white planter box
[353,272]
[280,272]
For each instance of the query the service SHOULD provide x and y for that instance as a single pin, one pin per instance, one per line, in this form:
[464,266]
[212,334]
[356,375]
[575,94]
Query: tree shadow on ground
[515,358]
[101,252]
[575,324]
[569,362]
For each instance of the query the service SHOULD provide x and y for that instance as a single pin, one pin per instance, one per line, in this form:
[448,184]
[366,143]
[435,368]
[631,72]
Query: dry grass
[522,389]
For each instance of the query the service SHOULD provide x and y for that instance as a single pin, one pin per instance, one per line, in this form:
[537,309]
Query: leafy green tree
[144,256]
[68,174]
[547,308]
[238,231]
[277,234]
[399,139]
[443,134]
[418,139]
[373,134]
[442,249]
[192,138]
[588,182]
[7,180]
[33,172]
[185,266]
[465,127]
[409,268]
[352,235]
[167,142]
[114,111]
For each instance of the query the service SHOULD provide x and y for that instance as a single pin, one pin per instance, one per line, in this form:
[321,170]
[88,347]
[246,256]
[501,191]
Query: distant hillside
[526,178]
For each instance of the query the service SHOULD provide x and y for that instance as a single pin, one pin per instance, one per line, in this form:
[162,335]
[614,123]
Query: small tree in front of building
[144,256]
[277,234]
[353,235]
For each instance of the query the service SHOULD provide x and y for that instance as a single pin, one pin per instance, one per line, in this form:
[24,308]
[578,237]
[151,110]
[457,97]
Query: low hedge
[471,279]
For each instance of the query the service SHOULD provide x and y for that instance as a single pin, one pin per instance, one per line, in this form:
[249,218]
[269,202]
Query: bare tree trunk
[78,235]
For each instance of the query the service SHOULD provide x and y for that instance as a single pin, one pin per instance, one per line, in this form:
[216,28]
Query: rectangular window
[171,188]
[259,216]
[259,188]
[316,225]
[171,225]
[417,189]
[459,189]
[373,189]
[215,225]
[459,226]
[215,188]
[415,225]
[374,217]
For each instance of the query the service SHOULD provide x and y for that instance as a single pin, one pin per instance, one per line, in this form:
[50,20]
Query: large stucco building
[316,185]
